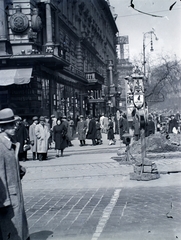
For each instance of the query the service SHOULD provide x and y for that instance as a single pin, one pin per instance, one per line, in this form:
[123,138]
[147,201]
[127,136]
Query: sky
[167,26]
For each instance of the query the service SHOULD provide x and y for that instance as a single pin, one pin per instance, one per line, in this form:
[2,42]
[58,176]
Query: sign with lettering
[138,99]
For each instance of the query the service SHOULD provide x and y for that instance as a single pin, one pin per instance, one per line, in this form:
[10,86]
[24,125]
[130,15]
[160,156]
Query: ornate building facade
[56,57]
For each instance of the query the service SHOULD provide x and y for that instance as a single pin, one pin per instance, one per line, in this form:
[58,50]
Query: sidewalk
[166,162]
[77,149]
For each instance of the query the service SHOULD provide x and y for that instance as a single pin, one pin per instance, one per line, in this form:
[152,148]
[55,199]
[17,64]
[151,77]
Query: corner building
[55,55]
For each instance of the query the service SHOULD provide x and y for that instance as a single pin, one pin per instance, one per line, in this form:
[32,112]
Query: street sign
[138,99]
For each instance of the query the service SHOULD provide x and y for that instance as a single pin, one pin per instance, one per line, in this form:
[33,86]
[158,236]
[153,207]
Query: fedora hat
[35,118]
[42,118]
[7,116]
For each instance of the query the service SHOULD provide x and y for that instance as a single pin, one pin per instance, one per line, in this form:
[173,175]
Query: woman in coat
[59,136]
[42,133]
[81,130]
[13,221]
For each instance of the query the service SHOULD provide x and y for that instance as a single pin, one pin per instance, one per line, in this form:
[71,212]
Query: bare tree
[164,79]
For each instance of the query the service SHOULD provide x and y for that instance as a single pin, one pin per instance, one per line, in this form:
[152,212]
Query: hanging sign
[138,99]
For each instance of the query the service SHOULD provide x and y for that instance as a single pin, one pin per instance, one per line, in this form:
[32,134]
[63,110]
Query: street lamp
[150,33]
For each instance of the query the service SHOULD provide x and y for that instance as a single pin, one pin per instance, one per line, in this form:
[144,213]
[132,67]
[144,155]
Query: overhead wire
[131,15]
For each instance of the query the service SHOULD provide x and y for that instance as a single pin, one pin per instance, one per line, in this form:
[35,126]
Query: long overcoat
[21,136]
[136,125]
[123,127]
[98,131]
[13,221]
[42,133]
[32,137]
[172,123]
[110,133]
[68,134]
[59,136]
[91,134]
[81,129]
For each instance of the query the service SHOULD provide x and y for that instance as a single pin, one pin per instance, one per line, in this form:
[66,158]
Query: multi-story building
[55,56]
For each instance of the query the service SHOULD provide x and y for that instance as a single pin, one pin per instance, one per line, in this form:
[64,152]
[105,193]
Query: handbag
[26,147]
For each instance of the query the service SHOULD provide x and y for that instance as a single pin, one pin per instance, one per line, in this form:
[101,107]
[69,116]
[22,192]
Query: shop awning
[15,76]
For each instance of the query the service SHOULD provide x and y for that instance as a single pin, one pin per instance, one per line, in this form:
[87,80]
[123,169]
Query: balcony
[94,77]
[50,56]
[73,70]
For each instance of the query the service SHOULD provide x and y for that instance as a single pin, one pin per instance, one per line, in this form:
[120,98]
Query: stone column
[3,28]
[2,21]
[48,25]
[110,72]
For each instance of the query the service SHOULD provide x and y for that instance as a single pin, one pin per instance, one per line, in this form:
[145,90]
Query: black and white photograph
[90,119]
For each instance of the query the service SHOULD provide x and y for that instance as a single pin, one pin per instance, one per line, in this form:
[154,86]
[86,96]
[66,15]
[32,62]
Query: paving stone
[70,198]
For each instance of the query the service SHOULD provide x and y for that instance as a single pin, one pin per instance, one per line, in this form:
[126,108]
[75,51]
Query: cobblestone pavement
[104,213]
[88,196]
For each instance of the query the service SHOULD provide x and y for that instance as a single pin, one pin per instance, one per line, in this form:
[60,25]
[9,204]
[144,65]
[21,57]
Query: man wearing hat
[33,138]
[68,135]
[42,134]
[150,127]
[53,121]
[13,221]
[81,130]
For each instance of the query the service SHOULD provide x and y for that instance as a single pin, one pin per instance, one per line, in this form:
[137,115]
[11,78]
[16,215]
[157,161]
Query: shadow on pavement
[42,235]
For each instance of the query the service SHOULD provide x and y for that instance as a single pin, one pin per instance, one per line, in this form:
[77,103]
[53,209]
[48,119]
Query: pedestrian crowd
[44,133]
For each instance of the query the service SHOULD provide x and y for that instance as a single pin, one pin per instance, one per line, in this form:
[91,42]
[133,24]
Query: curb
[169,172]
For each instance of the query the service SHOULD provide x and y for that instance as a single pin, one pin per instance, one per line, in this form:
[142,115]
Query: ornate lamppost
[150,33]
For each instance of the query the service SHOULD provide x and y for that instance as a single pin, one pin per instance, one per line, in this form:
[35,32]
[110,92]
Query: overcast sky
[167,25]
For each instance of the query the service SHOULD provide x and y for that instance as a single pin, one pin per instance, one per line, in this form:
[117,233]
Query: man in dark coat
[173,123]
[123,125]
[21,136]
[150,127]
[91,134]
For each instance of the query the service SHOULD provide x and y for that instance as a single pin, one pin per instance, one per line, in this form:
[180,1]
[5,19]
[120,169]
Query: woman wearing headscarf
[59,137]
